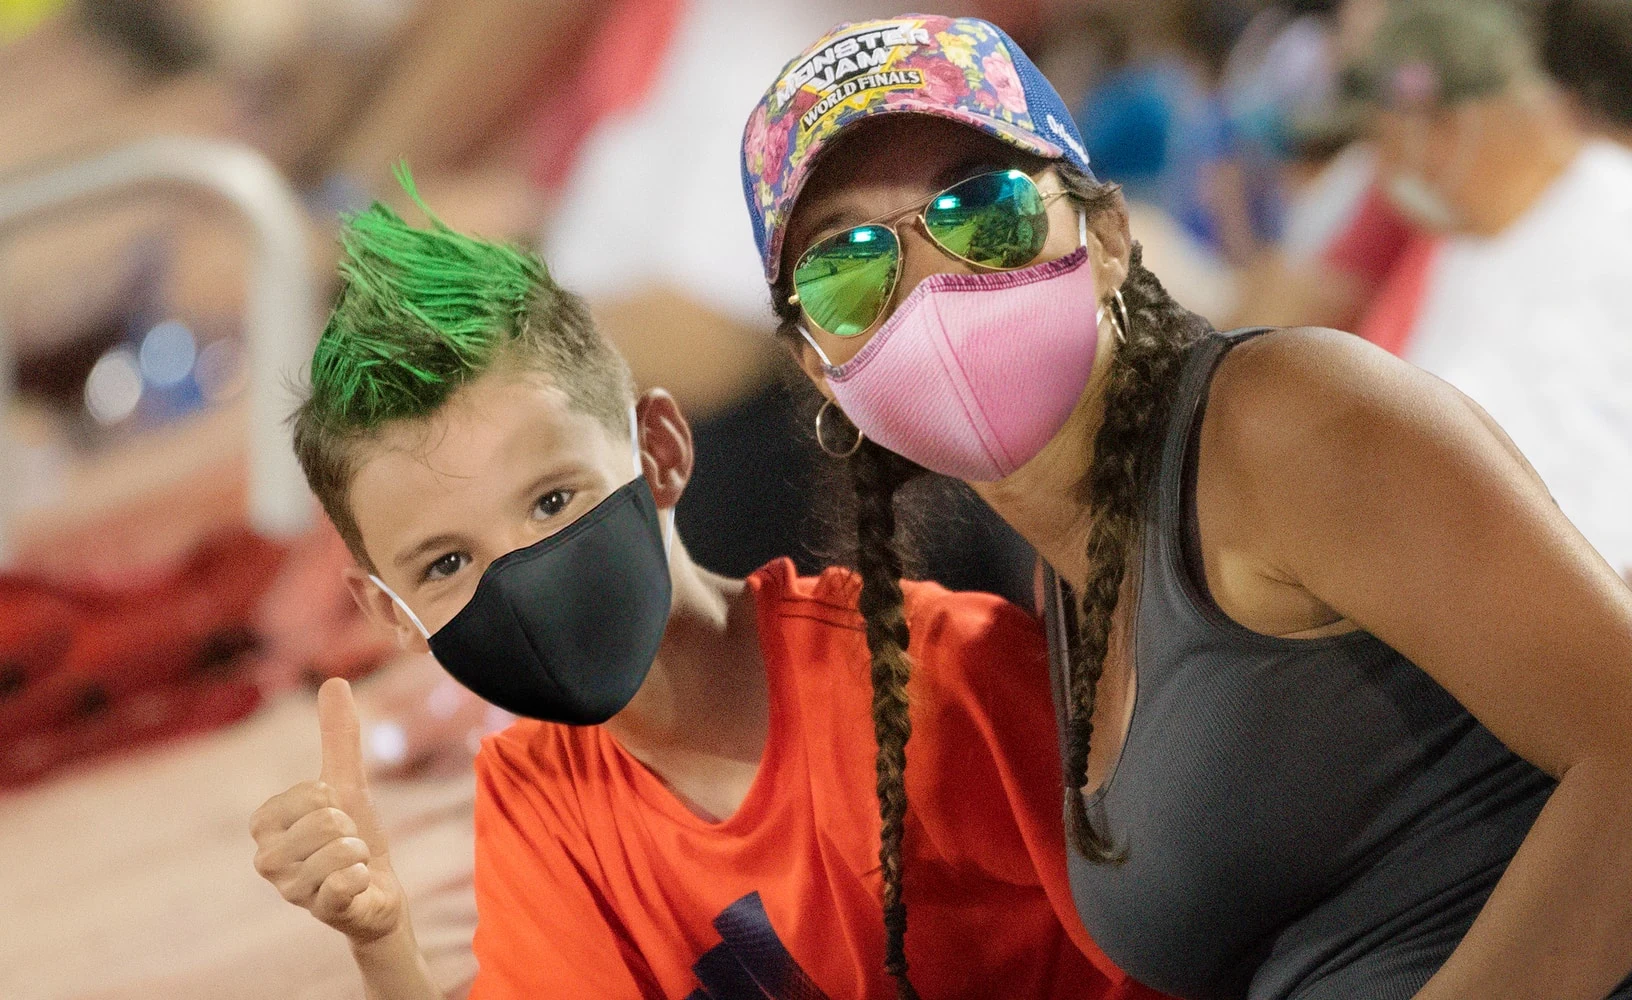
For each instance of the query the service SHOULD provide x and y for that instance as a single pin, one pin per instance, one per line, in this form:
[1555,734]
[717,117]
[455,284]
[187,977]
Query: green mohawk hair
[422,312]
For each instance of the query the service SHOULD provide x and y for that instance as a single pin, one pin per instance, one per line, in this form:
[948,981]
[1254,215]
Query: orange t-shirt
[593,880]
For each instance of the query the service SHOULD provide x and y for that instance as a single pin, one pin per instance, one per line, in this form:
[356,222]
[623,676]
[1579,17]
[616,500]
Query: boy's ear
[378,607]
[666,452]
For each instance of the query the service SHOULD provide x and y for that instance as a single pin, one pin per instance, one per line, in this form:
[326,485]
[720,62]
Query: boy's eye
[552,503]
[446,566]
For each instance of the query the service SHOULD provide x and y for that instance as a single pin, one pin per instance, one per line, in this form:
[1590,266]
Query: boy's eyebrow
[453,540]
[554,477]
[425,547]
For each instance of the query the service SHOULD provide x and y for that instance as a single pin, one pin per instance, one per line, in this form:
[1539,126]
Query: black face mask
[566,629]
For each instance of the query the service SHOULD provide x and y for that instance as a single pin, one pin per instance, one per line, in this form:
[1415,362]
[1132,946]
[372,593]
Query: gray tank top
[1314,819]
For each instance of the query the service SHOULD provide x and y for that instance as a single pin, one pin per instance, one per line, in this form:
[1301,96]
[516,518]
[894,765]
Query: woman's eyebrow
[965,169]
[951,174]
[831,219]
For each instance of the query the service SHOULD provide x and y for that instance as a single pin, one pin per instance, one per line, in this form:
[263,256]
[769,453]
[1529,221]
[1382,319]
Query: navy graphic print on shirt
[750,962]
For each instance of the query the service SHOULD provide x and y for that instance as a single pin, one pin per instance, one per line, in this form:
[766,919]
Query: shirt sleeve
[545,927]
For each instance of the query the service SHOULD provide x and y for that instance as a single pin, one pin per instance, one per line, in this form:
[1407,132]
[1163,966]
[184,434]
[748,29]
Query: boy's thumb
[342,745]
[342,768]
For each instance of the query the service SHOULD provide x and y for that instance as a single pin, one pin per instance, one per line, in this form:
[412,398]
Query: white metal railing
[280,325]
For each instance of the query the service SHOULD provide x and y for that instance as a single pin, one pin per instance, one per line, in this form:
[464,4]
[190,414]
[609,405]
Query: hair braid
[1139,391]
[878,474]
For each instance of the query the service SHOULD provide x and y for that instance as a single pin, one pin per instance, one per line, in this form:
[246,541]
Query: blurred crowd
[1449,179]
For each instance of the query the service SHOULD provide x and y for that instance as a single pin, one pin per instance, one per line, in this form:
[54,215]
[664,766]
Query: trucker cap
[959,68]
[1432,53]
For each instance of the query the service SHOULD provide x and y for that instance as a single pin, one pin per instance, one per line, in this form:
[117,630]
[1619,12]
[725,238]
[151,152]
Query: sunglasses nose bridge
[919,255]
[926,247]
[918,224]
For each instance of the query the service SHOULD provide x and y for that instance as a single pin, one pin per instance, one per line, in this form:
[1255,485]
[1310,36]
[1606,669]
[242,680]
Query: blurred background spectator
[1587,46]
[1524,298]
[1440,176]
[1159,122]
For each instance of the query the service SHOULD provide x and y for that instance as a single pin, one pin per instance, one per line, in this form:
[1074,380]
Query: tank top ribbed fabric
[1314,819]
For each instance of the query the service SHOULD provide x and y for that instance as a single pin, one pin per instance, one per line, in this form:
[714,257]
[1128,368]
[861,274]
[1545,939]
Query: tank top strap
[1166,514]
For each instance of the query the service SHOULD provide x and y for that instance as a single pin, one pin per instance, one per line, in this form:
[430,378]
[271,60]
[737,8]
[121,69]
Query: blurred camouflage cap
[1429,53]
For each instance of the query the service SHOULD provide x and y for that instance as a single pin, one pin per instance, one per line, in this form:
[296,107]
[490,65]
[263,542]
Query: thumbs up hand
[321,844]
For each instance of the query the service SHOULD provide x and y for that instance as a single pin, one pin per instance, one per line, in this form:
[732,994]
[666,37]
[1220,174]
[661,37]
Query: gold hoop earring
[821,439]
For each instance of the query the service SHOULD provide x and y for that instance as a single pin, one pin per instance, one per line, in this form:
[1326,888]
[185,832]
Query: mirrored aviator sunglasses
[997,221]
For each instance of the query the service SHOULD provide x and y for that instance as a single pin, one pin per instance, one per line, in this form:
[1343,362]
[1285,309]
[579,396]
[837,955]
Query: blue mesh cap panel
[1049,113]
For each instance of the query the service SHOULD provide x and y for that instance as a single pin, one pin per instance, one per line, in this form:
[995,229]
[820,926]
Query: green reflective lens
[845,280]
[996,220]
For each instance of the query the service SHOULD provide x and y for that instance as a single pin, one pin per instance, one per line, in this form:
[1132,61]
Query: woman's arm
[1384,494]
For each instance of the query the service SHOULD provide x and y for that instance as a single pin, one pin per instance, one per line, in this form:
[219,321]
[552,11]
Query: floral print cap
[960,68]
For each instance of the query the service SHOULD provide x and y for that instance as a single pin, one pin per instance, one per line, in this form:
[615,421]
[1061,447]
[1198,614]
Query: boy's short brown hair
[422,312]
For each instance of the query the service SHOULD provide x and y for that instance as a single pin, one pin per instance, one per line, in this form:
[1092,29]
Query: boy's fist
[320,843]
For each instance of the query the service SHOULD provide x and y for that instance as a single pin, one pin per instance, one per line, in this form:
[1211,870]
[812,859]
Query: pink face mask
[974,373]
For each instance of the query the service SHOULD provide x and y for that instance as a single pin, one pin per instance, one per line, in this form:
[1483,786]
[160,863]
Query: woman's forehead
[891,158]
[900,149]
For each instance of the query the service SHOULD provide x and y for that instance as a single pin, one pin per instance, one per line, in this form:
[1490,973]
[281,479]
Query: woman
[1359,690]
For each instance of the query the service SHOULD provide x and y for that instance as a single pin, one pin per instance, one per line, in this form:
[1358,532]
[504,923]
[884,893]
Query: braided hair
[1140,385]
[878,474]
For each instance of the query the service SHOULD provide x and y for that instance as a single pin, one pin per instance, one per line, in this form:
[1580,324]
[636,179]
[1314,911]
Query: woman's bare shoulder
[1309,396]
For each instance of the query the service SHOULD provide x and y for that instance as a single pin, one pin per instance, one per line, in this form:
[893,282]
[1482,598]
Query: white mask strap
[1082,228]
[815,346]
[403,605]
[634,439]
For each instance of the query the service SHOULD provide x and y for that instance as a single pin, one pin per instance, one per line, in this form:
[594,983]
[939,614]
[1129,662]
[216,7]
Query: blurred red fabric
[93,668]
[1393,312]
[619,64]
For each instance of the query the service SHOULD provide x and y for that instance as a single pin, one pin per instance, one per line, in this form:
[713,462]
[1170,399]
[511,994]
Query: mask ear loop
[640,470]
[403,605]
[830,366]
[1119,323]
[634,440]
